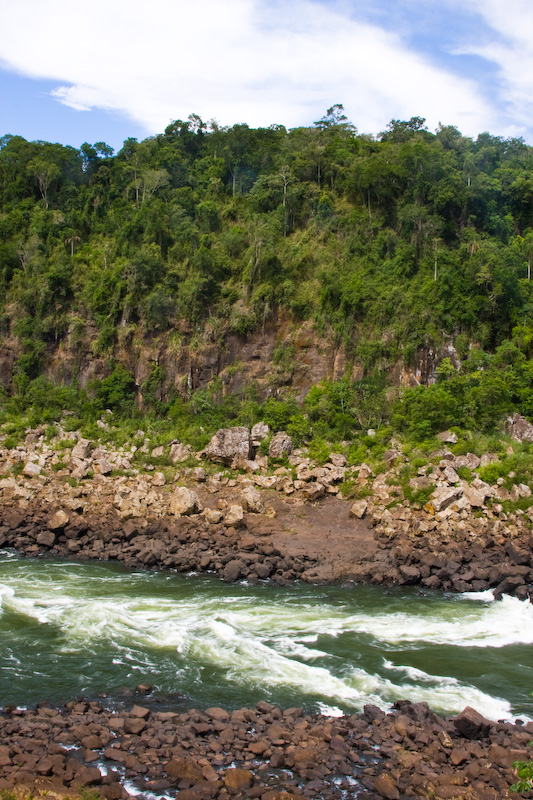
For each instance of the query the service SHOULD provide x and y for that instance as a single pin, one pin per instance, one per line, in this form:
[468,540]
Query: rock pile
[262,752]
[195,518]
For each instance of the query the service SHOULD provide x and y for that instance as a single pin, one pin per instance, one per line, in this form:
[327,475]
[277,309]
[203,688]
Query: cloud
[240,61]
[508,44]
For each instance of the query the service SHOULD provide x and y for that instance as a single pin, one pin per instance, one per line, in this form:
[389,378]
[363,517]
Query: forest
[391,245]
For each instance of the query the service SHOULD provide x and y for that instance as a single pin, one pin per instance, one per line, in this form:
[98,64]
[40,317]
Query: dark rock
[472,725]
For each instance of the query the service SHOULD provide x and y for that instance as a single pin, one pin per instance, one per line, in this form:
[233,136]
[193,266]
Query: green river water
[69,629]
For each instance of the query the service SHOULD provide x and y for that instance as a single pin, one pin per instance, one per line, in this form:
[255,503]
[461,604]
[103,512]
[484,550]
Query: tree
[524,244]
[46,172]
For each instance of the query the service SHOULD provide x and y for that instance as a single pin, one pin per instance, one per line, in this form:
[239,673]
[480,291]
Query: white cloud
[240,61]
[509,46]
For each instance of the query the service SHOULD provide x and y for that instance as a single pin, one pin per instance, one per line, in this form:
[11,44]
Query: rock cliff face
[280,353]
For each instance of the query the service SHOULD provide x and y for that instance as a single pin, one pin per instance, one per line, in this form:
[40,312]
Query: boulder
[252,501]
[358,509]
[179,453]
[386,787]
[280,445]
[337,459]
[259,432]
[519,429]
[82,449]
[448,437]
[234,516]
[314,490]
[212,515]
[238,780]
[450,475]
[31,470]
[184,501]
[199,475]
[102,466]
[233,570]
[46,539]
[229,443]
[472,725]
[79,467]
[442,498]
[474,498]
[184,769]
[58,521]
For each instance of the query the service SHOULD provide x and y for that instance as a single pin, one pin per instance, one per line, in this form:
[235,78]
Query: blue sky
[71,73]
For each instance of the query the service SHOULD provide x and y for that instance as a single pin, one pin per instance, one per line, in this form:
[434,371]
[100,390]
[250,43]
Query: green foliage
[392,247]
[524,771]
[116,391]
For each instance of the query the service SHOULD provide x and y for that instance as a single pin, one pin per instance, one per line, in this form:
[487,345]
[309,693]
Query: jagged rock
[385,786]
[519,429]
[234,516]
[158,479]
[233,570]
[157,452]
[364,473]
[213,515]
[229,443]
[46,538]
[442,498]
[472,725]
[410,574]
[252,499]
[102,466]
[280,445]
[259,432]
[314,490]
[199,475]
[246,464]
[474,498]
[184,769]
[358,509]
[179,453]
[482,487]
[470,460]
[238,780]
[337,459]
[419,483]
[184,502]
[266,481]
[31,470]
[82,449]
[79,468]
[448,437]
[58,521]
[450,474]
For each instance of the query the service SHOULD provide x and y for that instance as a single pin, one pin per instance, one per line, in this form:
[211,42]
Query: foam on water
[265,643]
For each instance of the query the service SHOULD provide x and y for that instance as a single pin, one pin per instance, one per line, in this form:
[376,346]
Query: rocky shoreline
[261,752]
[235,513]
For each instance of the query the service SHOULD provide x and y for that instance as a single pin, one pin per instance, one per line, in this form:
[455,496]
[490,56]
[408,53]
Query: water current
[69,629]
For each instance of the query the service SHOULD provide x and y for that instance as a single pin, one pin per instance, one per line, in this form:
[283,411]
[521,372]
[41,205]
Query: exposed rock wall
[191,359]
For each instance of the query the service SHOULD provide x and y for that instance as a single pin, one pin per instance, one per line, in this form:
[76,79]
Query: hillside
[215,262]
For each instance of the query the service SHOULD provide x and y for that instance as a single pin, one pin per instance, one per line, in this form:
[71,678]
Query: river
[92,628]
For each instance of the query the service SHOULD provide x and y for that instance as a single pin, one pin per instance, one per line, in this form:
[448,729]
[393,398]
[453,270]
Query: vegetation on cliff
[392,246]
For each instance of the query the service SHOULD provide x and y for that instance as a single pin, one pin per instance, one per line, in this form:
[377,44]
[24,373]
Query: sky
[72,72]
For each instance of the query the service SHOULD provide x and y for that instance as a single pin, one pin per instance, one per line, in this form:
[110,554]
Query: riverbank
[261,752]
[233,512]
[315,542]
